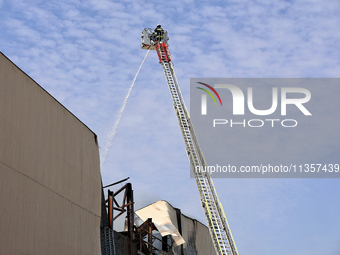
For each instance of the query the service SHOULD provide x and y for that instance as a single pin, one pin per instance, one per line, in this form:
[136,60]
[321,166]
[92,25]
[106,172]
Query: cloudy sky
[86,54]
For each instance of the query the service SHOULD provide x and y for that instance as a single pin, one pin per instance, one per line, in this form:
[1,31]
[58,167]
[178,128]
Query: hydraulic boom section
[213,210]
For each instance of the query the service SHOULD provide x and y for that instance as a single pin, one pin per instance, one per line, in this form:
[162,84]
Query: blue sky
[86,53]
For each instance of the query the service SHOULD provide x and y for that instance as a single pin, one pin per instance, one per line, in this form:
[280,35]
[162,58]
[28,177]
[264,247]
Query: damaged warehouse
[158,228]
[50,171]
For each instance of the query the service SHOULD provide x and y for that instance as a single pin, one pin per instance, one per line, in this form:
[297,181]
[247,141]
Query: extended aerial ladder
[217,222]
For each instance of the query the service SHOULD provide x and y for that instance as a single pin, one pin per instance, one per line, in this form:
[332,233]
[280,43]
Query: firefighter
[159,33]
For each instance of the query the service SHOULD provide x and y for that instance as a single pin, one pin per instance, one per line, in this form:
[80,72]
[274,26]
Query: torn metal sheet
[164,217]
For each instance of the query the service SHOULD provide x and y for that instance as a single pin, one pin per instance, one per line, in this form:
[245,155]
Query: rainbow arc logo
[204,97]
[209,93]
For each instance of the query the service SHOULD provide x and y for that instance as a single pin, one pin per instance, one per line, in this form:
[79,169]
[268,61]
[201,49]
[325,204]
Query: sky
[86,54]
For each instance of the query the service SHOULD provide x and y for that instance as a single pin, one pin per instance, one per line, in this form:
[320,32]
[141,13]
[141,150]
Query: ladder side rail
[192,154]
[214,194]
[197,150]
[212,207]
[228,230]
[190,151]
[194,138]
[210,213]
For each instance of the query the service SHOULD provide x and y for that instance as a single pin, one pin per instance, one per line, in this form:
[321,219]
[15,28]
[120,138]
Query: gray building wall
[197,237]
[50,186]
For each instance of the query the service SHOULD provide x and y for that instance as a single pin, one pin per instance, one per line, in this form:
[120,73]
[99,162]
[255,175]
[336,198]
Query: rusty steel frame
[127,205]
[148,245]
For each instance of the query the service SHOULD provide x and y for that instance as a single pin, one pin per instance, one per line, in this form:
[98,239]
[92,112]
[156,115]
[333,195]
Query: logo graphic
[239,99]
[281,99]
[204,97]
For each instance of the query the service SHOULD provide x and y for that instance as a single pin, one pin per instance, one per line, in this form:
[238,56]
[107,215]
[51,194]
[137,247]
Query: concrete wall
[50,187]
